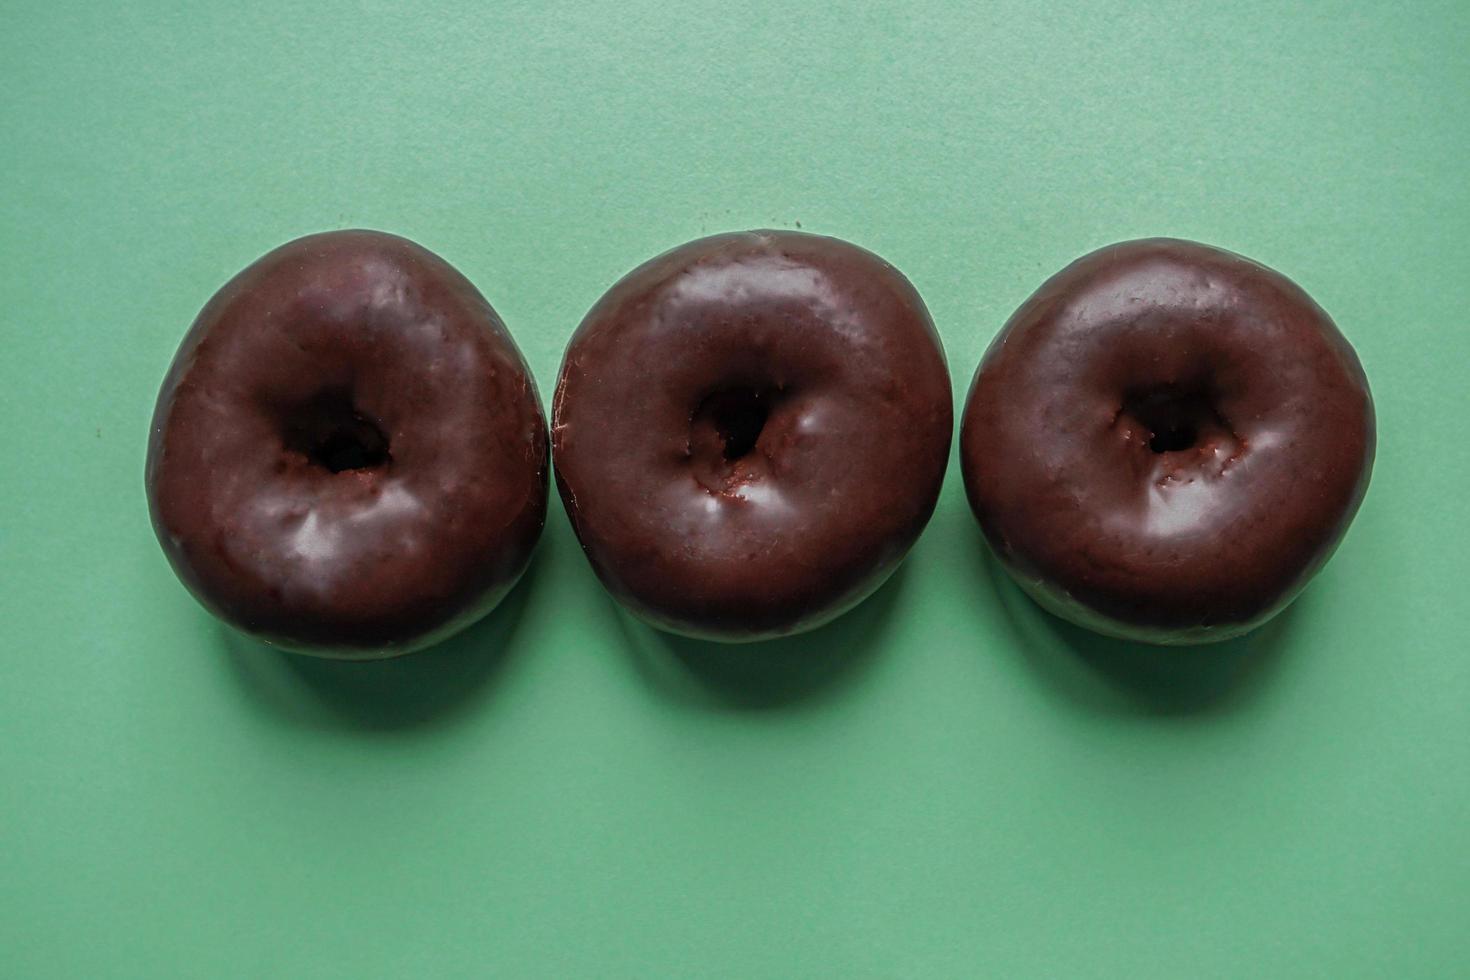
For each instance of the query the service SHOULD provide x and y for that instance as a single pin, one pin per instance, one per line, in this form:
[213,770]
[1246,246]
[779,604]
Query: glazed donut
[750,432]
[348,456]
[1166,441]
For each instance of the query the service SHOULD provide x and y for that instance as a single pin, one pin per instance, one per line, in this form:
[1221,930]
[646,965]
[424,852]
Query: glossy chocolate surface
[348,456]
[750,432]
[1166,441]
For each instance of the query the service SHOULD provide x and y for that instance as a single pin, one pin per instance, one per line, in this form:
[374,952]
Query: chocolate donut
[1166,441]
[750,431]
[349,456]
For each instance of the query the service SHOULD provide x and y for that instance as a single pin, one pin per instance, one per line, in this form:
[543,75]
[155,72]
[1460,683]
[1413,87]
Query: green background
[944,783]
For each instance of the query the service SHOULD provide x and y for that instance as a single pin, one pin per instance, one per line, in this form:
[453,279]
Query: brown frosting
[1166,441]
[750,431]
[348,456]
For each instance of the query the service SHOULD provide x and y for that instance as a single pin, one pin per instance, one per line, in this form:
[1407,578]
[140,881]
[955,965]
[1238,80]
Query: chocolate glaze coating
[349,456]
[750,431]
[1166,441]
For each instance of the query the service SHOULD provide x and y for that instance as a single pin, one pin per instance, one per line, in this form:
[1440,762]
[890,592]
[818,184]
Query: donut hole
[332,434]
[1173,439]
[725,433]
[737,416]
[1176,419]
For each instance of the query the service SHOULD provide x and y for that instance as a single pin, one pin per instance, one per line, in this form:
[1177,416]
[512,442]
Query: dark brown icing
[1166,441]
[349,456]
[750,431]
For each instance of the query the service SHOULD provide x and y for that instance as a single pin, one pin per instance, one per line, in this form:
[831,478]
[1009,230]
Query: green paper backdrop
[946,783]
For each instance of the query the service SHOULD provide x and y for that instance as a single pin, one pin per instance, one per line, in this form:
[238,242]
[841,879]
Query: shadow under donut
[412,691]
[766,674]
[1107,673]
